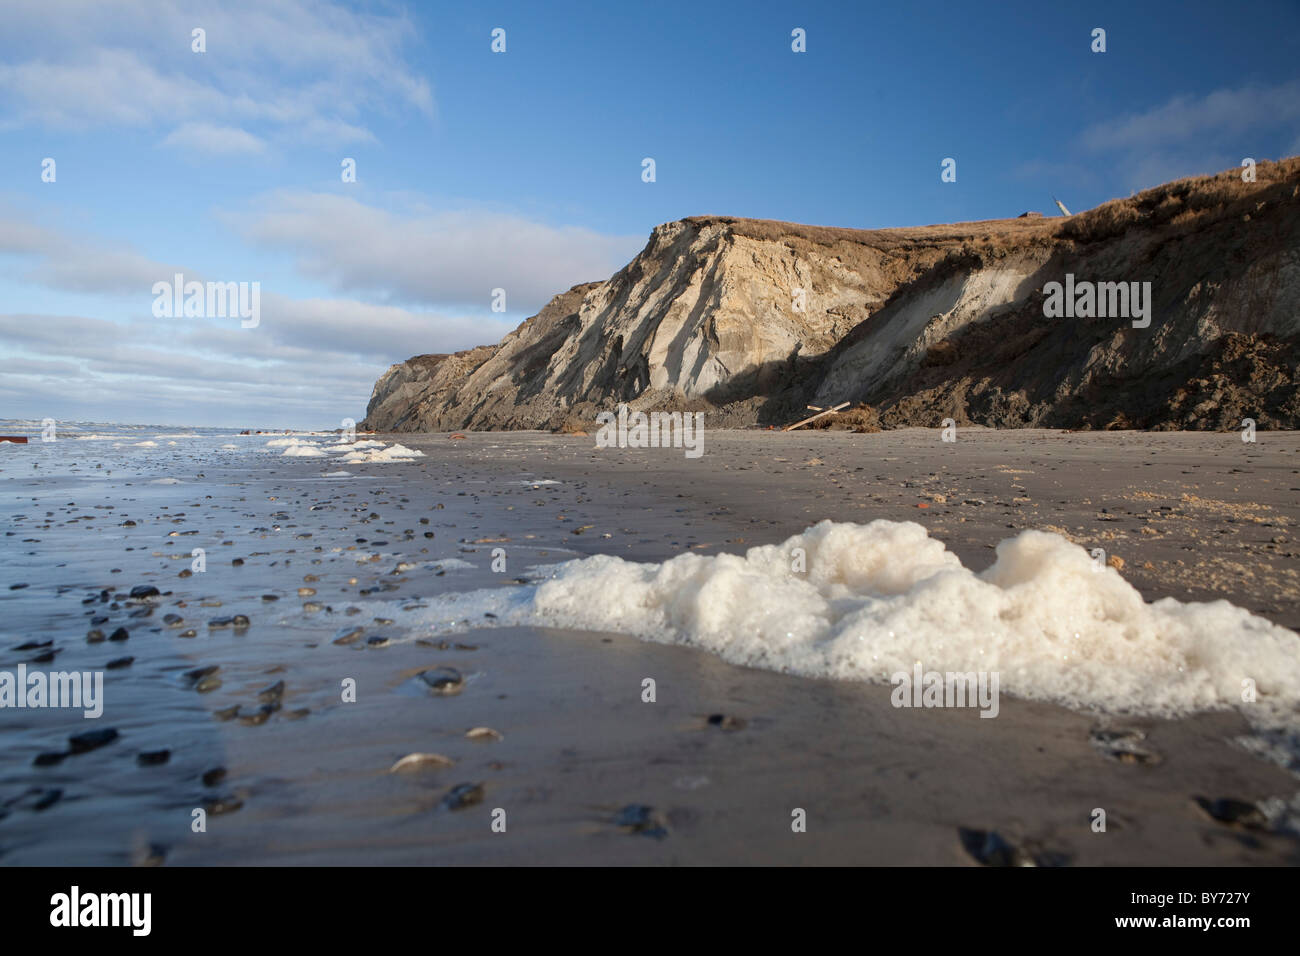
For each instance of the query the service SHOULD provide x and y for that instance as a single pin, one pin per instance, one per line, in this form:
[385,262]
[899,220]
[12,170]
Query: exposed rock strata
[922,324]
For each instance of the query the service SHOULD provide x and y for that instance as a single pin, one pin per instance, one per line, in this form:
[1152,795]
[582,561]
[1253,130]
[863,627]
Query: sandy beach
[336,577]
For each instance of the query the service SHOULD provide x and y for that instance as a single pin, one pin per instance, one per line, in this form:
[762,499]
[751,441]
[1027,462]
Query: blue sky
[522,170]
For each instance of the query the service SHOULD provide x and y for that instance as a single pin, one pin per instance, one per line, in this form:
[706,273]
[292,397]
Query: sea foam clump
[877,598]
[392,453]
[303,450]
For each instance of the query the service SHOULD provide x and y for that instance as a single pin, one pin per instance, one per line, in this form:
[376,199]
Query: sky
[523,170]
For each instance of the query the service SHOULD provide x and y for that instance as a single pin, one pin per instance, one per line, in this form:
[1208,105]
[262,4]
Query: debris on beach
[420,761]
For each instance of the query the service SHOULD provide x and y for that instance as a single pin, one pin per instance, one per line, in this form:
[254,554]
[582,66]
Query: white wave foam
[304,450]
[392,453]
[877,598]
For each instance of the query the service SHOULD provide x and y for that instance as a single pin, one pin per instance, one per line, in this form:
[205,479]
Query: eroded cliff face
[750,320]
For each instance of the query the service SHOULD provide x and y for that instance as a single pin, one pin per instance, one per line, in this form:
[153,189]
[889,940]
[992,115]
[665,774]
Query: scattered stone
[726,722]
[213,777]
[152,758]
[119,662]
[639,818]
[463,795]
[121,634]
[1126,746]
[141,591]
[219,805]
[155,854]
[348,635]
[229,713]
[272,693]
[94,636]
[992,849]
[443,680]
[49,758]
[1232,812]
[257,717]
[420,762]
[483,733]
[92,740]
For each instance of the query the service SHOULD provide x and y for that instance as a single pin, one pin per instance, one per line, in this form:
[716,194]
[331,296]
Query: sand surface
[1193,516]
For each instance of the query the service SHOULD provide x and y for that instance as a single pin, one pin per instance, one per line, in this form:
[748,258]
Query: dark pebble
[214,776]
[152,758]
[443,680]
[463,795]
[118,662]
[257,717]
[639,818]
[219,805]
[1234,812]
[991,849]
[92,740]
[121,634]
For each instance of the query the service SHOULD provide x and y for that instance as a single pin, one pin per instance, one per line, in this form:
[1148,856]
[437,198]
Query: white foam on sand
[877,598]
[285,442]
[303,450]
[145,444]
[355,446]
[336,474]
[392,453]
[165,481]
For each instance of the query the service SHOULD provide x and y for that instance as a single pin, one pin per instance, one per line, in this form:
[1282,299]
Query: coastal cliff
[751,320]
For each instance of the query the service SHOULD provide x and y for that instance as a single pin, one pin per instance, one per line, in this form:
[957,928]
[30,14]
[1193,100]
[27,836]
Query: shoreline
[879,784]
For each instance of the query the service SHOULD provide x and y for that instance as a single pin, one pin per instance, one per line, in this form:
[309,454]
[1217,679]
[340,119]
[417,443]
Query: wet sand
[879,785]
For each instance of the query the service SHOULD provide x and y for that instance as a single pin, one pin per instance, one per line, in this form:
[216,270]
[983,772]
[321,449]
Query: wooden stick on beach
[813,418]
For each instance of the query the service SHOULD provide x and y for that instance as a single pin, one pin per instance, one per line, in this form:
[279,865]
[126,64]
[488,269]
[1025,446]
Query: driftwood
[813,418]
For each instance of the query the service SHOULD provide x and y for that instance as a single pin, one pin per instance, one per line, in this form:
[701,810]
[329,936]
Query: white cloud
[1196,135]
[433,258]
[209,138]
[1184,119]
[289,70]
